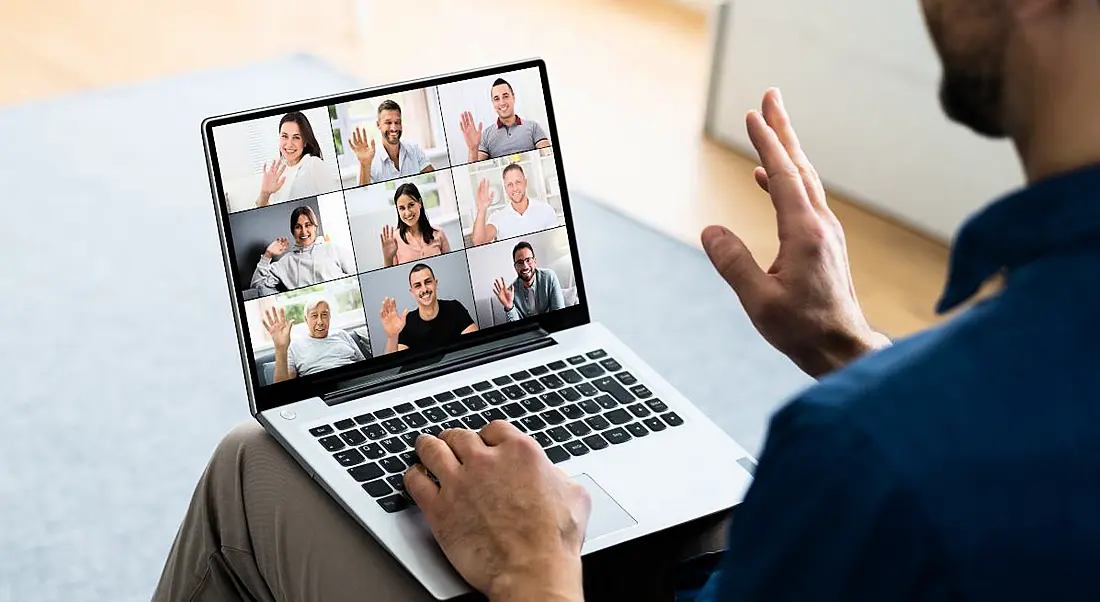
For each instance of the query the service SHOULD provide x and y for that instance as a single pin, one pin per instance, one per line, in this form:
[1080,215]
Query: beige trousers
[258,528]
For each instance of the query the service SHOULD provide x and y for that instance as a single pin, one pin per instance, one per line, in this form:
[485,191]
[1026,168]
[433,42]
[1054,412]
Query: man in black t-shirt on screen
[435,322]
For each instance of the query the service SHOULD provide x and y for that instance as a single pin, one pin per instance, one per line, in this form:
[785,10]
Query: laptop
[403,260]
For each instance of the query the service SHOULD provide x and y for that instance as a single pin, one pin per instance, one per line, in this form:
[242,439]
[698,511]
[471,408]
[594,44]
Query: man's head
[303,225]
[389,121]
[318,318]
[504,100]
[515,183]
[422,284]
[523,259]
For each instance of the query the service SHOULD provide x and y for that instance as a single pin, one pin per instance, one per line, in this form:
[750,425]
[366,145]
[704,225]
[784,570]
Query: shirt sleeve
[538,133]
[292,358]
[376,169]
[421,158]
[444,244]
[264,278]
[462,316]
[827,519]
[554,294]
[350,340]
[483,146]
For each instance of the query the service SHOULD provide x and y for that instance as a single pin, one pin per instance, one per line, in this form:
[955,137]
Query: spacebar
[612,386]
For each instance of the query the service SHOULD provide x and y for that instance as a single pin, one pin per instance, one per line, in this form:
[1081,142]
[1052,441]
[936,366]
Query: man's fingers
[423,490]
[498,431]
[735,263]
[761,176]
[775,114]
[464,443]
[436,455]
[785,184]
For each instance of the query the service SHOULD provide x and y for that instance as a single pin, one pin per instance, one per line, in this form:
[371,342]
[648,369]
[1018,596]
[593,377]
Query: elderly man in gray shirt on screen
[534,291]
[321,350]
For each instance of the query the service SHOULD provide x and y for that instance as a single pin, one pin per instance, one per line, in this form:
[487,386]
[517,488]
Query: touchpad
[607,515]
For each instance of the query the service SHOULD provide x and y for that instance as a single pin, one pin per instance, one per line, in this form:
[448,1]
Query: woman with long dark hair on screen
[300,170]
[414,237]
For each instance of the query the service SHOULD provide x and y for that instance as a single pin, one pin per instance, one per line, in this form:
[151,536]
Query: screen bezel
[275,395]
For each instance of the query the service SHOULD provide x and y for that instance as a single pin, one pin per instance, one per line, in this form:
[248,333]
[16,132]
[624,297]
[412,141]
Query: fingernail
[713,233]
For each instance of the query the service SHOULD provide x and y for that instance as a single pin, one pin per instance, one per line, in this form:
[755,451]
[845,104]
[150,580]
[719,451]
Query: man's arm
[392,345]
[483,232]
[555,296]
[542,140]
[265,278]
[470,328]
[364,174]
[283,371]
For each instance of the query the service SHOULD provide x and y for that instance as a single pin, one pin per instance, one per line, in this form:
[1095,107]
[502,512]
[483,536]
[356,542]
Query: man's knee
[247,439]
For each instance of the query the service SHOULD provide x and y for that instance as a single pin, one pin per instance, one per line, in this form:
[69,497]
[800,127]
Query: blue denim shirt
[962,463]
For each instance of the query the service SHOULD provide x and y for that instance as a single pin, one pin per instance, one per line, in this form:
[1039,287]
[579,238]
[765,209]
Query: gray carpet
[119,364]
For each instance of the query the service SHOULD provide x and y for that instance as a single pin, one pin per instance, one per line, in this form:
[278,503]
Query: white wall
[861,80]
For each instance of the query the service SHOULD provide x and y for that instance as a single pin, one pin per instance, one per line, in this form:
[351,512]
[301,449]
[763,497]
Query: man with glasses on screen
[520,216]
[534,291]
[509,135]
[318,352]
[399,159]
[434,323]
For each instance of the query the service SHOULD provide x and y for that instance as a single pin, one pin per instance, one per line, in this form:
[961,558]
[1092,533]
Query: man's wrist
[558,580]
[845,348]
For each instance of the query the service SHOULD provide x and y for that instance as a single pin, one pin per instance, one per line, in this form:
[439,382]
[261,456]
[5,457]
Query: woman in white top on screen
[414,237]
[300,170]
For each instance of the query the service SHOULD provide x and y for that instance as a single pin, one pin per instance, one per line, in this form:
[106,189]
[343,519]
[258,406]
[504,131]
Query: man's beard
[974,100]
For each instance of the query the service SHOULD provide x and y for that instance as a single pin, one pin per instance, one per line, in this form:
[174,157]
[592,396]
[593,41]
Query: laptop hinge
[455,361]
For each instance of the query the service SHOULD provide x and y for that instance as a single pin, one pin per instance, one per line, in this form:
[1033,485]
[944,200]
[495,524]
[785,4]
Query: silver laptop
[402,260]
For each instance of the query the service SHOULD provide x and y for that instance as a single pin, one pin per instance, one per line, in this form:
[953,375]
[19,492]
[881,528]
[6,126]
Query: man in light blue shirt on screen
[397,159]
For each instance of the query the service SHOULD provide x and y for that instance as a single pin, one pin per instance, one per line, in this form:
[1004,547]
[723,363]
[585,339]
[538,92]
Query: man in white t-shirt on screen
[318,352]
[522,215]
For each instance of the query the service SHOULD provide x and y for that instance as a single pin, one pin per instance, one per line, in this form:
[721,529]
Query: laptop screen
[383,226]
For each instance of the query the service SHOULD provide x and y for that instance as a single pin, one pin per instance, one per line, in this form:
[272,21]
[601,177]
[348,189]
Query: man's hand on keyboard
[509,521]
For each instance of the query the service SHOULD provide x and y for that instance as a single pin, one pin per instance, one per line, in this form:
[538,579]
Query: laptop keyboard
[571,407]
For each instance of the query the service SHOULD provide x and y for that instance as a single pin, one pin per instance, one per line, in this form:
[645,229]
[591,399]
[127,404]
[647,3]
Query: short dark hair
[512,167]
[420,267]
[523,244]
[388,105]
[309,139]
[500,81]
[305,210]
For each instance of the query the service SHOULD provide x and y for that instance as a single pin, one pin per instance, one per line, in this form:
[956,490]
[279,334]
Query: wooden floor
[628,76]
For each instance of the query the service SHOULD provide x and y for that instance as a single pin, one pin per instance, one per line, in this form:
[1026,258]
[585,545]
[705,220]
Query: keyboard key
[552,417]
[377,488]
[617,436]
[597,354]
[455,408]
[533,387]
[639,410]
[532,404]
[657,405]
[571,376]
[611,364]
[416,420]
[590,406]
[543,439]
[500,381]
[425,402]
[576,359]
[474,421]
[672,419]
[445,397]
[573,412]
[404,408]
[514,410]
[410,438]
[552,399]
[577,448]
[533,423]
[609,386]
[435,414]
[397,481]
[394,445]
[345,424]
[514,392]
[349,457]
[626,378]
[539,370]
[598,423]
[493,414]
[619,416]
[395,426]
[606,402]
[372,451]
[522,374]
[495,397]
[570,394]
[655,424]
[559,434]
[365,418]
[557,454]
[410,458]
[366,472]
[637,429]
[353,437]
[432,430]
[321,431]
[385,413]
[374,431]
[393,465]
[552,381]
[588,390]
[394,503]
[592,370]
[332,443]
[482,386]
[519,426]
[595,441]
[640,391]
[475,403]
[453,424]
[578,428]
[558,365]
[464,391]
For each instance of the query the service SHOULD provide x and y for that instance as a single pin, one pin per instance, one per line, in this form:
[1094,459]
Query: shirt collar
[400,153]
[500,123]
[1051,215]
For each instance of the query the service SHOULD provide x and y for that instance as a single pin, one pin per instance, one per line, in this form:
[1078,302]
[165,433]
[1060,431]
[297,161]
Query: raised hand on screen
[470,133]
[506,293]
[362,144]
[273,178]
[278,327]
[389,243]
[393,322]
[484,196]
[277,247]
